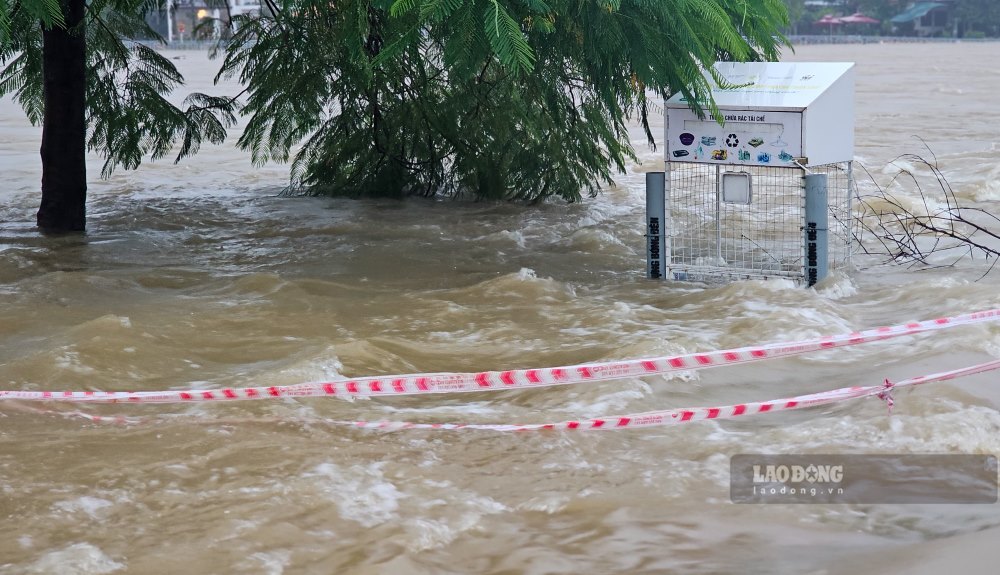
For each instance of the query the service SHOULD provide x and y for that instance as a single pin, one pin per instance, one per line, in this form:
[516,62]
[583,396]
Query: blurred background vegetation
[944,18]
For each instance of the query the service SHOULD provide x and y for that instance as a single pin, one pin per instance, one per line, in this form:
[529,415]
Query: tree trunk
[64,127]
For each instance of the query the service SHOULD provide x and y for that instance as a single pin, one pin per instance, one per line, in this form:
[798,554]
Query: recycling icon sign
[732,141]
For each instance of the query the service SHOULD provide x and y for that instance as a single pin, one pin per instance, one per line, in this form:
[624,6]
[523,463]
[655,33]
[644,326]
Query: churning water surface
[197,275]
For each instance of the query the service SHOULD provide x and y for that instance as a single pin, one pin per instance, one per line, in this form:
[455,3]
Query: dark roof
[916,11]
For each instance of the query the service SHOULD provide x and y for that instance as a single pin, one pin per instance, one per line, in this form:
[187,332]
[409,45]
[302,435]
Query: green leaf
[439,10]
[507,40]
[400,7]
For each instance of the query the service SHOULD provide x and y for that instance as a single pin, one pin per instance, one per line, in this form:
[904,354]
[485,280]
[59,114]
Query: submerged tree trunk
[64,127]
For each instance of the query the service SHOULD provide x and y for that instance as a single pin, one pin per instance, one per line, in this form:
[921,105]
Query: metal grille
[712,240]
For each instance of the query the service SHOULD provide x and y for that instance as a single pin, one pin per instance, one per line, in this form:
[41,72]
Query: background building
[197,19]
[927,19]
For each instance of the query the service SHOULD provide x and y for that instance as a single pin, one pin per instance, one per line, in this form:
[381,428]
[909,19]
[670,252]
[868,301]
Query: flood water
[198,275]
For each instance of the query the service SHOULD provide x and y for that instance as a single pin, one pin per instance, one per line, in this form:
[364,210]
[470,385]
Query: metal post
[655,193]
[815,231]
[170,23]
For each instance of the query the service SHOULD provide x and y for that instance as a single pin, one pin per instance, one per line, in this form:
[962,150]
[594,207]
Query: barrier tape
[394,385]
[687,415]
[645,419]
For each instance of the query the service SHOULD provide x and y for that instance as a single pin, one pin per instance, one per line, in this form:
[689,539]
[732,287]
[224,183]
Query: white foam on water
[951,90]
[515,236]
[323,365]
[593,239]
[461,512]
[987,189]
[425,533]
[581,332]
[923,423]
[526,274]
[473,407]
[837,286]
[76,559]
[70,361]
[178,469]
[241,527]
[593,405]
[621,309]
[549,503]
[361,492]
[273,562]
[93,507]
[442,512]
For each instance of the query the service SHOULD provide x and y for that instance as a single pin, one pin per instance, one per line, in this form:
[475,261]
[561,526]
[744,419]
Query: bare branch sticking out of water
[933,228]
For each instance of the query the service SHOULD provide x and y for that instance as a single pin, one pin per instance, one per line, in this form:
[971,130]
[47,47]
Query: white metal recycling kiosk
[775,113]
[780,122]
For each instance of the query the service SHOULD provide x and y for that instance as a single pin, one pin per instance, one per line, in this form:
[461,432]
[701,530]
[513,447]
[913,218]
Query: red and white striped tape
[391,385]
[687,415]
[644,419]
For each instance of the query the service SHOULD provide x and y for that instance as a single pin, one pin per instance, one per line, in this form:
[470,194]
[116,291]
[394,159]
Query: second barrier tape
[687,415]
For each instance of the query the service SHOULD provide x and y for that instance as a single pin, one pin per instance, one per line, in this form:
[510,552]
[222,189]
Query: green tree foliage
[803,16]
[979,15]
[47,12]
[128,114]
[499,99]
[880,9]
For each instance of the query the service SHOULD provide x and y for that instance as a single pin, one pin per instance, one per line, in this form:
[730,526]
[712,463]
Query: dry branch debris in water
[916,233]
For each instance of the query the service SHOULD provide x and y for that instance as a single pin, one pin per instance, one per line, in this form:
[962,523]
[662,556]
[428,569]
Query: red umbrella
[858,18]
[829,20]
